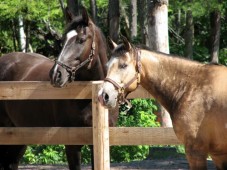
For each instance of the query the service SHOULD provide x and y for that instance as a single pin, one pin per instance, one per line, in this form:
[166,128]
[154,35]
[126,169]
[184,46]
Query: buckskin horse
[194,94]
[47,113]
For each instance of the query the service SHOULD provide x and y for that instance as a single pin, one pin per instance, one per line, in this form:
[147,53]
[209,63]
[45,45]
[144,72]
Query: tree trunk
[124,15]
[133,26]
[158,38]
[189,35]
[142,20]
[63,9]
[73,6]
[22,37]
[93,8]
[27,34]
[158,25]
[14,35]
[177,24]
[215,23]
[114,19]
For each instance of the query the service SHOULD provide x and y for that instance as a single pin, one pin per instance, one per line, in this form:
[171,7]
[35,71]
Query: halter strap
[121,89]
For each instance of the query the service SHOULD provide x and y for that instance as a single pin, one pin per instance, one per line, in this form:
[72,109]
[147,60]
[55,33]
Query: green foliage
[223,56]
[201,17]
[30,9]
[34,15]
[86,154]
[140,115]
[128,153]
[198,8]
[44,154]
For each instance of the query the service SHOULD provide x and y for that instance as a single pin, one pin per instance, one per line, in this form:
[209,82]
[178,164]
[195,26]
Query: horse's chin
[59,84]
[109,105]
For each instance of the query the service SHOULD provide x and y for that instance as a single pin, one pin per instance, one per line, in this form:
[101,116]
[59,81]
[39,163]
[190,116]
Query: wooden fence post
[100,131]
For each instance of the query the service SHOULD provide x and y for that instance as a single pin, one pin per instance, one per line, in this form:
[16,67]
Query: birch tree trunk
[178,21]
[133,23]
[158,25]
[22,37]
[114,19]
[158,38]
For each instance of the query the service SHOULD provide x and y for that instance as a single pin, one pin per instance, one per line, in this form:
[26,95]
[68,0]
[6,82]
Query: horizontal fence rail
[29,90]
[18,90]
[83,136]
[100,135]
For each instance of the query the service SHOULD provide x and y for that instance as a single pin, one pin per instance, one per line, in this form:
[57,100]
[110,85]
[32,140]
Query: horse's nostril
[58,74]
[105,97]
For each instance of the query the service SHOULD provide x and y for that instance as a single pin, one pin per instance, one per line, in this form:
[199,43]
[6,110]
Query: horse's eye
[122,66]
[80,41]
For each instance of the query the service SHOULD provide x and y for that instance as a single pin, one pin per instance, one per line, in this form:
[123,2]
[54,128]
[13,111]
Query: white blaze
[69,35]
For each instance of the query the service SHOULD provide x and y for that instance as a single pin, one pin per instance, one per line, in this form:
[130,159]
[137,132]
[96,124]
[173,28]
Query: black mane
[77,21]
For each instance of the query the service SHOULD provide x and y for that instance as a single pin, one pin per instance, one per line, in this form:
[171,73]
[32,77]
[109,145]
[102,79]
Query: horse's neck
[102,51]
[98,69]
[167,78]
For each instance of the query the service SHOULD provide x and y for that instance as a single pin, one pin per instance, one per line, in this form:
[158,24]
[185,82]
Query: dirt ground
[159,164]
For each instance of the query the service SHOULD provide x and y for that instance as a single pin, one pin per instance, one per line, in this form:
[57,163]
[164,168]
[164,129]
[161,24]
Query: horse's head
[78,50]
[123,73]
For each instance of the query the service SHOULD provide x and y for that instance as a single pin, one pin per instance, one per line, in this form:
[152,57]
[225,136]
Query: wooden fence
[102,135]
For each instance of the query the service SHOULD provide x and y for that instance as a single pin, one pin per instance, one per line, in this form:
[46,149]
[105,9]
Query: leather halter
[72,70]
[121,89]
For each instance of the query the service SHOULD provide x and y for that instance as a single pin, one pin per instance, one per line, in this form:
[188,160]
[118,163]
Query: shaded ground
[160,159]
[170,164]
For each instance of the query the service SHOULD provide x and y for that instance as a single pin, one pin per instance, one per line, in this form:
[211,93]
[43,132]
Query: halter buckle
[121,90]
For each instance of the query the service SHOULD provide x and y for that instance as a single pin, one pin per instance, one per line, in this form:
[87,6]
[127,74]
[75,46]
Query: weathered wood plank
[83,136]
[46,135]
[43,90]
[142,136]
[18,90]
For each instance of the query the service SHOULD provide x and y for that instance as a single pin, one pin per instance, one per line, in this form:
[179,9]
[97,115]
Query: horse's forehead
[111,62]
[116,59]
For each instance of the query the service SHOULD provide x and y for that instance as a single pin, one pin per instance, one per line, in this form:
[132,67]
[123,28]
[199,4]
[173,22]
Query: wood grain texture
[100,122]
[83,135]
[43,90]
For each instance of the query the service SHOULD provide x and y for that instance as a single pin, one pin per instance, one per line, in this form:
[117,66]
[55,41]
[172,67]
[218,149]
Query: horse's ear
[126,43]
[85,15]
[111,44]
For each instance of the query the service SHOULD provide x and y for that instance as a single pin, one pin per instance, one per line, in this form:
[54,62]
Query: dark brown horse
[194,94]
[45,113]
